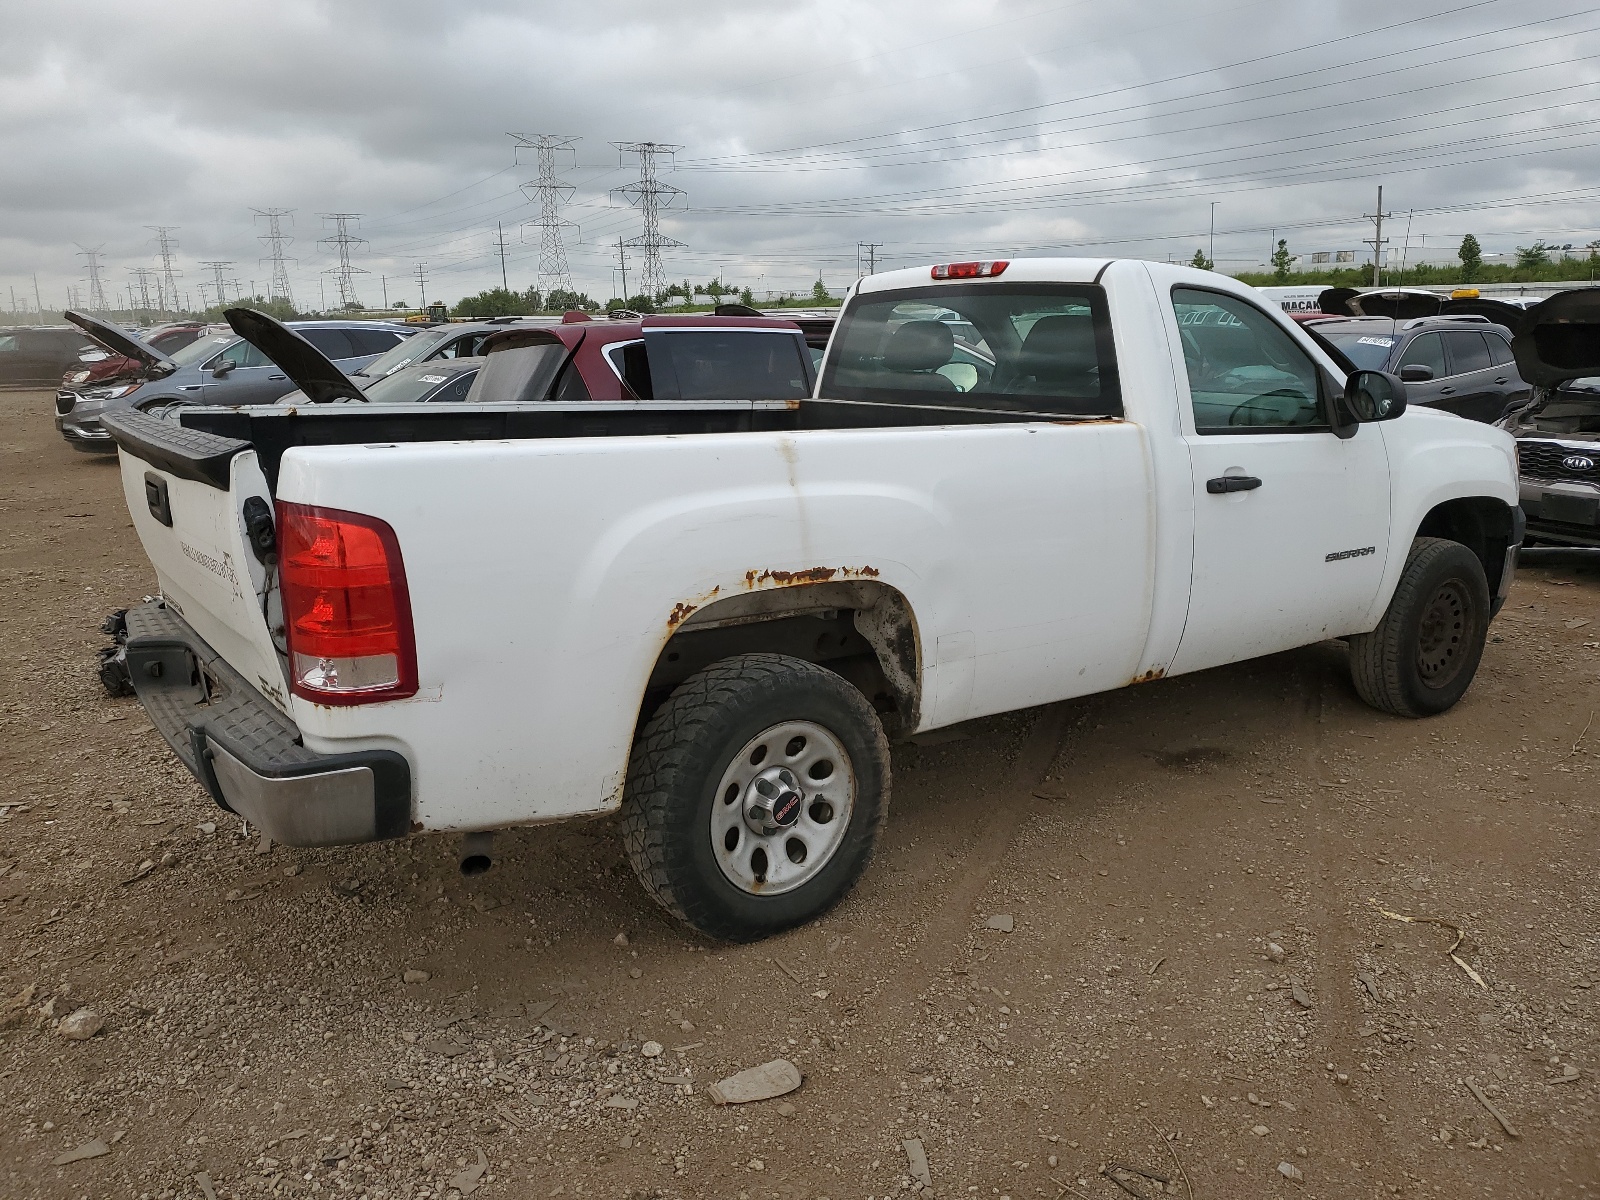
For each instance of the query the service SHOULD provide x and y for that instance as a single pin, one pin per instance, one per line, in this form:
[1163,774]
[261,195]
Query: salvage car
[34,356]
[1459,364]
[103,366]
[217,368]
[714,614]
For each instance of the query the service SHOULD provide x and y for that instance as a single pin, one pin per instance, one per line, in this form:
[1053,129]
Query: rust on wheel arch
[1149,676]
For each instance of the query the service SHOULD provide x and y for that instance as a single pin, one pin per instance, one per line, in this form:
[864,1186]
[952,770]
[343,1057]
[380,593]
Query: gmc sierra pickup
[1016,483]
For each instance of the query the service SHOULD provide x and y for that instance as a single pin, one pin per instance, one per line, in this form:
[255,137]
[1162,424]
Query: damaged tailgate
[202,509]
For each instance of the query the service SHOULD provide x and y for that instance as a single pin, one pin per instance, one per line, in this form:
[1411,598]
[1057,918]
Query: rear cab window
[1016,347]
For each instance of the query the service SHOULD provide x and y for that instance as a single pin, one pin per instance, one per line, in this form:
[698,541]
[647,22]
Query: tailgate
[186,493]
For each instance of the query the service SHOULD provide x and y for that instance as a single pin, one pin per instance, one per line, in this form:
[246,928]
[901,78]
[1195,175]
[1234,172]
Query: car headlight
[77,377]
[112,393]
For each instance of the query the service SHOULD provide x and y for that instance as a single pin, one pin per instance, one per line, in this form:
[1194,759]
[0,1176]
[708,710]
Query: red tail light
[972,270]
[346,608]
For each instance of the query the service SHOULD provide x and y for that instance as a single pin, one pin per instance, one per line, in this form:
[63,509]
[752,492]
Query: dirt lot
[1158,852]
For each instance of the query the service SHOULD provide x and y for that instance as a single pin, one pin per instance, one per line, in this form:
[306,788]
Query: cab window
[1245,372]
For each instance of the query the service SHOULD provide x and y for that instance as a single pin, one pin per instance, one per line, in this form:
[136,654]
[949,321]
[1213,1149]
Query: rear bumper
[248,753]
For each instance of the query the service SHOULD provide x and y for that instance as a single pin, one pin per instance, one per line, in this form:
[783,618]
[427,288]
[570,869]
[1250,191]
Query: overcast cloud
[936,128]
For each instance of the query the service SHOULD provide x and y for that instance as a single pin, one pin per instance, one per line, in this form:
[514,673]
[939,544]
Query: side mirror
[222,367]
[1375,395]
[1416,373]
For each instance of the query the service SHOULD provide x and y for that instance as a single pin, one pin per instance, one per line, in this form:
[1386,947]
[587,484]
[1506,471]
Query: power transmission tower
[144,275]
[342,240]
[167,248]
[1377,241]
[422,282]
[872,249]
[276,240]
[649,195]
[220,274]
[550,194]
[97,293]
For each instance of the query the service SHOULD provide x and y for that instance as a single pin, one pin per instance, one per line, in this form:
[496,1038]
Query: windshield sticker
[432,378]
[1374,341]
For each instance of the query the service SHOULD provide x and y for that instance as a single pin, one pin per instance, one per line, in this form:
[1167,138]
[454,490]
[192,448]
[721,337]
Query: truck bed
[201,442]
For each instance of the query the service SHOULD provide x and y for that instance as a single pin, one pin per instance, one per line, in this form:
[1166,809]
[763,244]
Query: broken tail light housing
[346,607]
[972,270]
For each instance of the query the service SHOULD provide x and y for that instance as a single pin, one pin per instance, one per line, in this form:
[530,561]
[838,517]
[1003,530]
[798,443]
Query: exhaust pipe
[477,853]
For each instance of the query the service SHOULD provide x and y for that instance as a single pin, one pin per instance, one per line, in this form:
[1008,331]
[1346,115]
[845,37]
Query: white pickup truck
[1018,483]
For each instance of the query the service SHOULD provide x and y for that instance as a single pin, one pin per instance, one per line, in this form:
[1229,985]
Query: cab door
[246,376]
[1291,523]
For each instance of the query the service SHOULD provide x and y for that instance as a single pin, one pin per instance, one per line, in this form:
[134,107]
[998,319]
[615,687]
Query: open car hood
[307,367]
[121,342]
[1558,338]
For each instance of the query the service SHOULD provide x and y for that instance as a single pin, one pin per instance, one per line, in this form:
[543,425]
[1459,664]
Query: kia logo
[1578,462]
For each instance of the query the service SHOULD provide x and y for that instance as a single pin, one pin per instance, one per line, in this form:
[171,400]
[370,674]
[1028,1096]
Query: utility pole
[97,291]
[276,240]
[550,194]
[37,301]
[422,282]
[872,249]
[622,264]
[168,249]
[385,280]
[342,240]
[219,272]
[500,242]
[649,195]
[1377,241]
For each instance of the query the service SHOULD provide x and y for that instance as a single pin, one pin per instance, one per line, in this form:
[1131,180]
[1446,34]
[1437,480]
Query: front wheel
[1423,655]
[755,795]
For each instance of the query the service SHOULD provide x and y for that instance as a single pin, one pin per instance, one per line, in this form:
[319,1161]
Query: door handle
[277,377]
[1502,380]
[1447,391]
[1232,483]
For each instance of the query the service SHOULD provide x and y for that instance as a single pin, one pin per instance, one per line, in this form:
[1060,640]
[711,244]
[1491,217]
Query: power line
[342,240]
[276,240]
[97,293]
[550,193]
[649,195]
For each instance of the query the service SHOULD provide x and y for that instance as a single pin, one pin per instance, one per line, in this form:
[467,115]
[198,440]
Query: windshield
[203,347]
[1369,351]
[415,348]
[407,387]
[1589,386]
[1019,347]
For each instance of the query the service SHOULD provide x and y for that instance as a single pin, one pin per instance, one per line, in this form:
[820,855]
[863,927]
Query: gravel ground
[1146,928]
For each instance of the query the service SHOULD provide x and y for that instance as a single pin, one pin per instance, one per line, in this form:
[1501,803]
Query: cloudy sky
[935,128]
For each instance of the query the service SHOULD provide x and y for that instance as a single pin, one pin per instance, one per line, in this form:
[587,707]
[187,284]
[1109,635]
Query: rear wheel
[1422,657]
[755,795]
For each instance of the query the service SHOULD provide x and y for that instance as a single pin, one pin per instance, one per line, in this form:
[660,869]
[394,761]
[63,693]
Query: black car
[1558,458]
[1460,364]
[38,355]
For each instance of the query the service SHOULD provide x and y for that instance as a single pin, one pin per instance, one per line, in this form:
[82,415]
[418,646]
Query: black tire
[1423,655]
[678,765]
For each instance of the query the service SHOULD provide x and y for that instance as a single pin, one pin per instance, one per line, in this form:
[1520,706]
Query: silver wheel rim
[781,809]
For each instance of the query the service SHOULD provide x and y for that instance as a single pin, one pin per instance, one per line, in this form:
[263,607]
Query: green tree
[1282,260]
[562,300]
[495,302]
[1201,261]
[1471,256]
[748,299]
[1531,258]
[819,292]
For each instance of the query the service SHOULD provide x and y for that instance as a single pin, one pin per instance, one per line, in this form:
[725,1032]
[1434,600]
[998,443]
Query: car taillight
[346,608]
[972,270]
